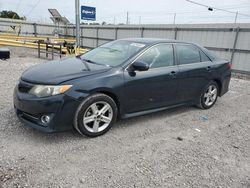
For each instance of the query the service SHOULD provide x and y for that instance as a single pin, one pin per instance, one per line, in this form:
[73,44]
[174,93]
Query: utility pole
[114,20]
[174,18]
[77,10]
[127,22]
[140,20]
[236,16]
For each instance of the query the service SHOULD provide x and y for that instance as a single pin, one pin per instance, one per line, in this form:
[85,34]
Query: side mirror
[140,66]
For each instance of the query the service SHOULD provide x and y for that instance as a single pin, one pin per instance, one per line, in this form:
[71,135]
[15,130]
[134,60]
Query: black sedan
[120,79]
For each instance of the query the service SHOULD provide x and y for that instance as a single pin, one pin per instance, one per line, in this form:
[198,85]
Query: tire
[209,96]
[95,115]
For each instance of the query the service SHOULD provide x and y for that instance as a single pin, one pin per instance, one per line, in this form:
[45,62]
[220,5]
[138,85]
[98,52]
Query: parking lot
[182,147]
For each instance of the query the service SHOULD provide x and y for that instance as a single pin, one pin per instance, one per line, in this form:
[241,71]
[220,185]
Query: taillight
[229,65]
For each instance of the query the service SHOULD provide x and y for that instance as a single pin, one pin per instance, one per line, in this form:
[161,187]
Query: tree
[10,14]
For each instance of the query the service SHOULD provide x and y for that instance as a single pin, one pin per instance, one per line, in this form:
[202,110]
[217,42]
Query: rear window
[187,54]
[204,57]
[210,54]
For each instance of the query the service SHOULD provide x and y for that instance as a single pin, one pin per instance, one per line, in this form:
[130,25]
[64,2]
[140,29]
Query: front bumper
[61,110]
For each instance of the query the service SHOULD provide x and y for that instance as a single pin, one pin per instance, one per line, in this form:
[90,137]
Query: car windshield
[113,53]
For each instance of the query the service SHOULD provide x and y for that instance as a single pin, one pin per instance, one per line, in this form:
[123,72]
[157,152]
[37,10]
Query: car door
[156,87]
[195,70]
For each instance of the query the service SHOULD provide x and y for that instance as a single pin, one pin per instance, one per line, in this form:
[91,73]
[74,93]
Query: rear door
[195,71]
[156,87]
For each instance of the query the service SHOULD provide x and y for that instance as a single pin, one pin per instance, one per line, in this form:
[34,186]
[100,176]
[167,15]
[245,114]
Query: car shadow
[73,135]
[153,116]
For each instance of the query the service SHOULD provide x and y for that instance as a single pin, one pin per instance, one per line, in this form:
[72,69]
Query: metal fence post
[66,30]
[97,36]
[142,32]
[74,31]
[175,33]
[81,37]
[116,33]
[235,43]
[35,29]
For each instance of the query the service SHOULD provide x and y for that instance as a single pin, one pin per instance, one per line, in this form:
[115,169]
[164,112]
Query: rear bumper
[225,85]
[61,110]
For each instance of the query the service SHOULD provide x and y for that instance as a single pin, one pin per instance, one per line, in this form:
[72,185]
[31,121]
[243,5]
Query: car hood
[56,72]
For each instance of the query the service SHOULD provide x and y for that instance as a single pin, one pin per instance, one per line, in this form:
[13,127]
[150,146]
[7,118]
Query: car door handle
[208,68]
[173,73]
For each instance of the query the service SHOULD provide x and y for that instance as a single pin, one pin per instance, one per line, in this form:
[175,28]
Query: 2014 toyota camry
[120,79]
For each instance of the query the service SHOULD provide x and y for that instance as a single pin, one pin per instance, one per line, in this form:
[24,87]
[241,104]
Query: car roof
[150,41]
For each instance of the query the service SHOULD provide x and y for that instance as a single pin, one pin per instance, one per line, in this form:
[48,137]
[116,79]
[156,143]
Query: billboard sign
[88,13]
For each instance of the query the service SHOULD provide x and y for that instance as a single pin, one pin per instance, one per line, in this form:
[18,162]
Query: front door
[156,87]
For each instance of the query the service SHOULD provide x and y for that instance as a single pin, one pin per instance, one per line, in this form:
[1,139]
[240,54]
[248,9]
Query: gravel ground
[183,147]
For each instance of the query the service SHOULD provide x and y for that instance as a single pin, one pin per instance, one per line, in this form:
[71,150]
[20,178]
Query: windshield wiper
[86,65]
[111,49]
[93,62]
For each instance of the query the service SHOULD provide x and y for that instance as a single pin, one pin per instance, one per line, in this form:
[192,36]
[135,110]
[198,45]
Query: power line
[170,18]
[215,8]
[32,8]
[18,5]
[237,5]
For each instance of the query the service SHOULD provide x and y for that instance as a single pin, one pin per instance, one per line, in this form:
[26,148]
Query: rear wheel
[95,115]
[209,96]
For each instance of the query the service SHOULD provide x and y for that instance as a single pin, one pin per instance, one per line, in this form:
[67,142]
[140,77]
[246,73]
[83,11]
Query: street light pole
[236,16]
[77,4]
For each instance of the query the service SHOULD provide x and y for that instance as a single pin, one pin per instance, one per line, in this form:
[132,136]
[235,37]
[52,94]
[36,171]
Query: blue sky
[148,11]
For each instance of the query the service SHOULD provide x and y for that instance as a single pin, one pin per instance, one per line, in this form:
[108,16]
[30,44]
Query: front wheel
[95,115]
[209,96]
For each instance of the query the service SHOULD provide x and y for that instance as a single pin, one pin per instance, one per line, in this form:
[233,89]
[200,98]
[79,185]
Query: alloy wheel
[210,95]
[98,116]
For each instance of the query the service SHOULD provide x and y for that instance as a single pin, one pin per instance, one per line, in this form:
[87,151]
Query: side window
[204,57]
[158,56]
[187,54]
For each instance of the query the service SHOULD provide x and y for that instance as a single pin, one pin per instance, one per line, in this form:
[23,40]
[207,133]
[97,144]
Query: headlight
[46,90]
